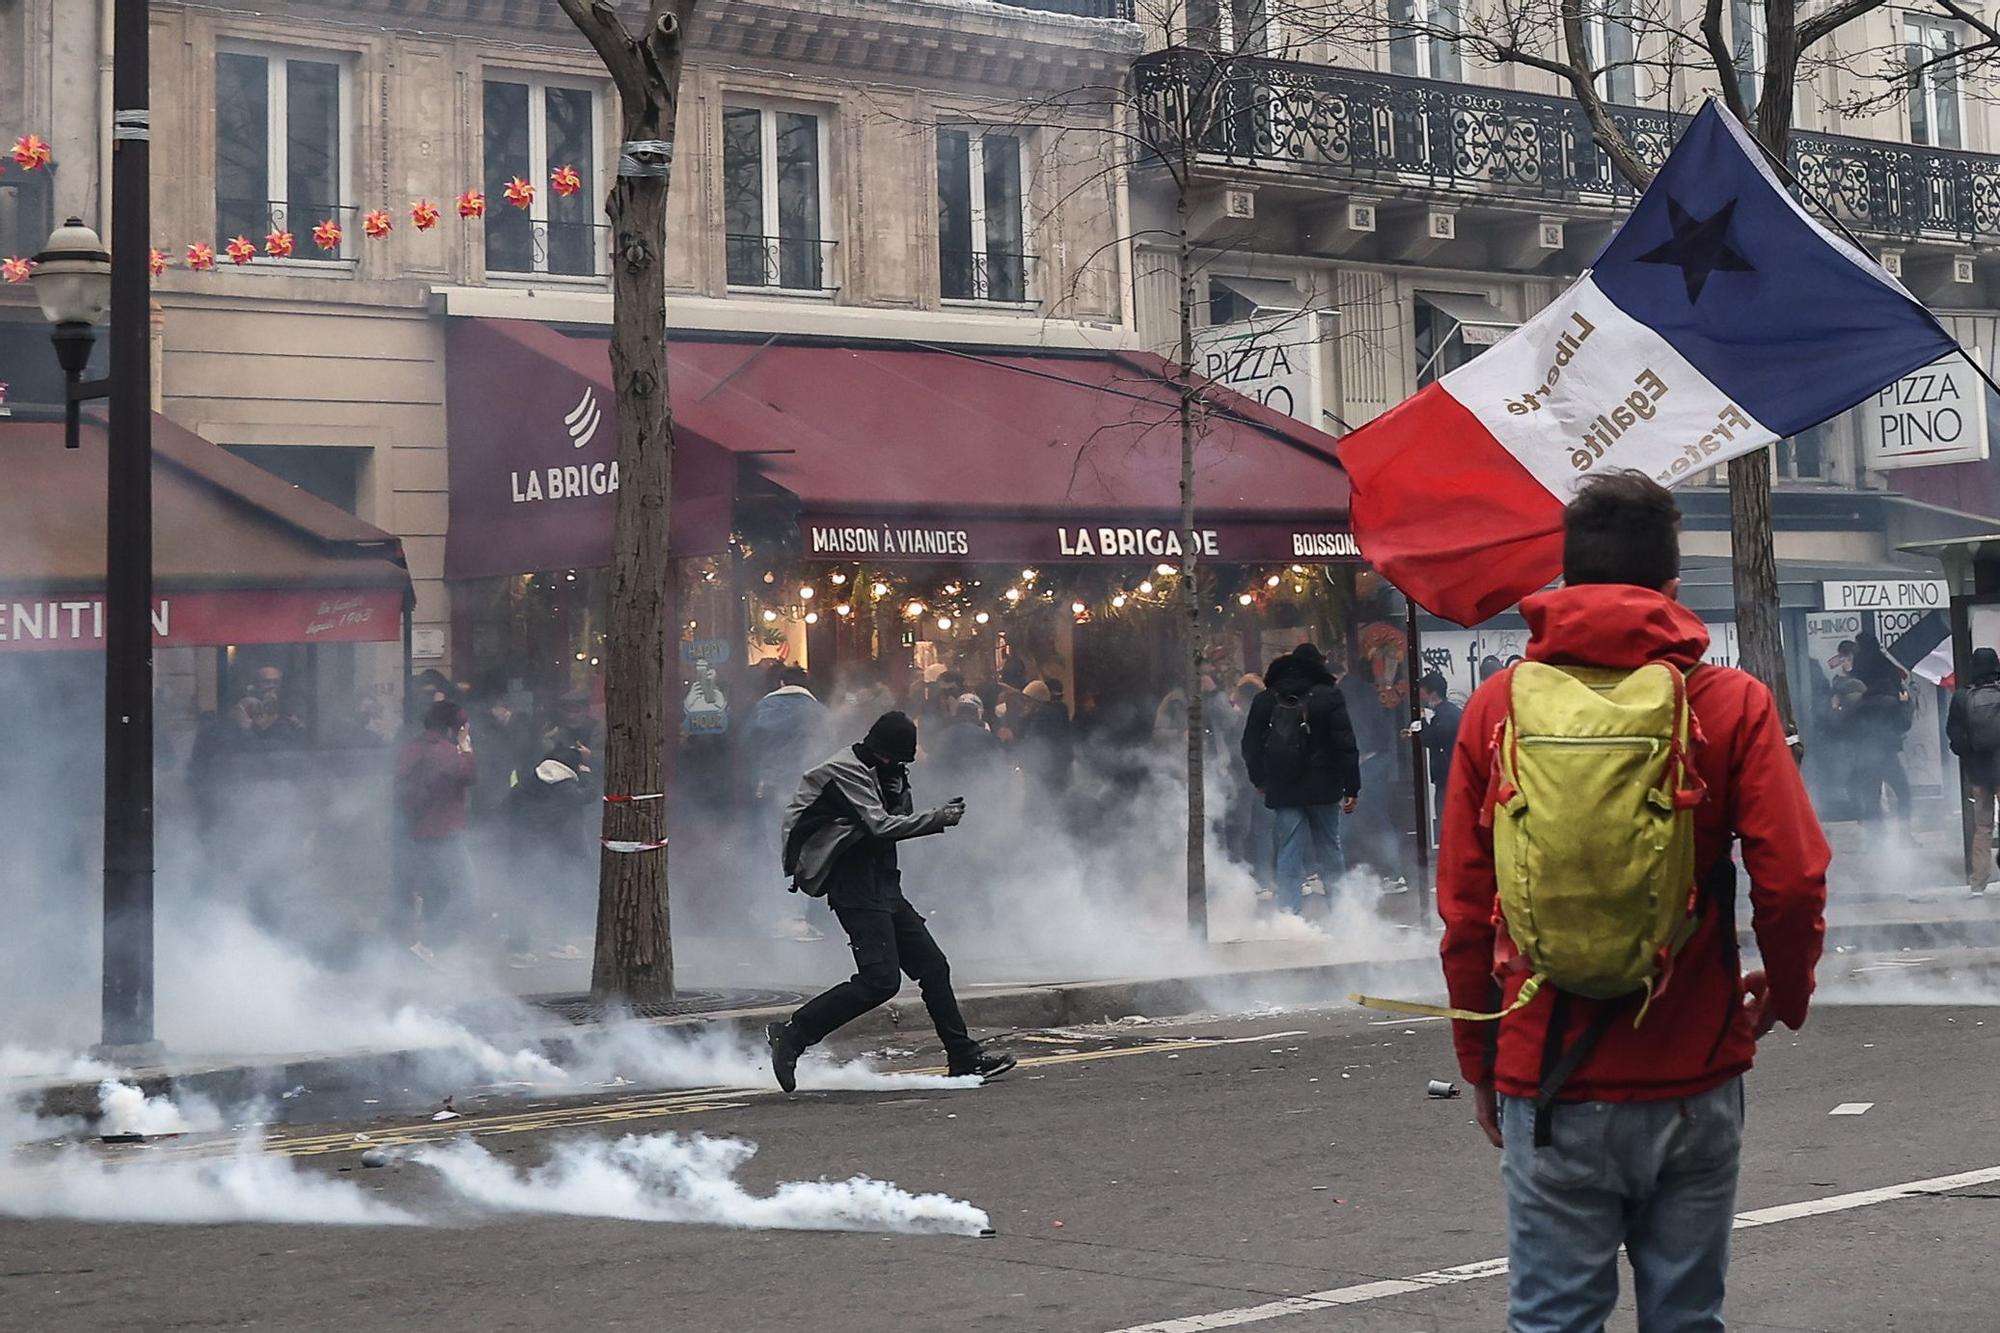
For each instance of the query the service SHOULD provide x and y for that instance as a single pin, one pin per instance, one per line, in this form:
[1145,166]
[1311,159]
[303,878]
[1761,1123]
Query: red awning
[239,556]
[894,452]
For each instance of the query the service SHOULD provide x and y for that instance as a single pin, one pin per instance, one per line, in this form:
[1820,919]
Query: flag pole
[1812,198]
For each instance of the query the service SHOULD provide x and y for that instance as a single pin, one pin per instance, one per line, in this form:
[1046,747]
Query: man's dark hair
[893,737]
[444,717]
[1432,681]
[1623,527]
[792,675]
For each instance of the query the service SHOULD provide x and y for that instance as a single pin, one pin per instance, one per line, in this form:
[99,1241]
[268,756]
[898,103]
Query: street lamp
[73,284]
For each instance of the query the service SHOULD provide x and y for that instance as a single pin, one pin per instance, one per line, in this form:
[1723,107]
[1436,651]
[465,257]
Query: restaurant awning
[892,452]
[239,556]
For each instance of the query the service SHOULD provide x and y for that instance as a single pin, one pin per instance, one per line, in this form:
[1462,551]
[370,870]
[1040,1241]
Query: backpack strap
[1559,1064]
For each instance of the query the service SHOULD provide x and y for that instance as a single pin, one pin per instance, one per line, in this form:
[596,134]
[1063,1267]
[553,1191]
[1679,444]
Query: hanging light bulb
[1013,594]
[981,618]
[1146,587]
[837,578]
[951,590]
[593,661]
[1119,601]
[770,616]
[1298,569]
[1271,582]
[570,577]
[807,593]
[913,610]
[1029,576]
[879,589]
[769,577]
[1077,608]
[944,622]
[843,610]
[1163,570]
[581,656]
[1244,599]
[812,617]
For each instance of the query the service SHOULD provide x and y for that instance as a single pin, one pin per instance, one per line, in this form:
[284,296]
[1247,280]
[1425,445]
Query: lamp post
[128,569]
[73,283]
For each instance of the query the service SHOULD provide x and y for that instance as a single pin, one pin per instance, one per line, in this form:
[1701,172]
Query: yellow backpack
[1593,832]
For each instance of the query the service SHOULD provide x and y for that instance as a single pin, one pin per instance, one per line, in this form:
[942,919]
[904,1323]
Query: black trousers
[886,944]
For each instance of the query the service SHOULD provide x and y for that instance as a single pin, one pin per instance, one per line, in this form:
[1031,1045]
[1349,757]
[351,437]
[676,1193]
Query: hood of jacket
[1612,625]
[1292,674]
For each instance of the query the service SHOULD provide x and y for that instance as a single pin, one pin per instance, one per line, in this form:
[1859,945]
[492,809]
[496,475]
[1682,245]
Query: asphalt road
[1136,1176]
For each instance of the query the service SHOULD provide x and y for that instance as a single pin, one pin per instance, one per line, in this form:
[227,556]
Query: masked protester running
[840,836]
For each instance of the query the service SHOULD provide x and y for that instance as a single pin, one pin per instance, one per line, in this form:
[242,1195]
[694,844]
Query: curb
[1059,1005]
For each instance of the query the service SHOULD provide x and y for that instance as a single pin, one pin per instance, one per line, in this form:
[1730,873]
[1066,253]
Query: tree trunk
[1197,799]
[634,951]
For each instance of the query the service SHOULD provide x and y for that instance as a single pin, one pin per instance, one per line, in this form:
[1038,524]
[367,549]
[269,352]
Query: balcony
[1385,130]
[1082,9]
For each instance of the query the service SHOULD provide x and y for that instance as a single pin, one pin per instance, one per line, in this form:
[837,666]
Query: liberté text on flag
[1719,319]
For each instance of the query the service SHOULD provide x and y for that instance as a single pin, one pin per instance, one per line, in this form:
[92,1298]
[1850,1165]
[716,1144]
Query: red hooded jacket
[1755,796]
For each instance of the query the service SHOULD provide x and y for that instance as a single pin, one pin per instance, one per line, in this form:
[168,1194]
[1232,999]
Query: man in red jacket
[434,772]
[1643,1143]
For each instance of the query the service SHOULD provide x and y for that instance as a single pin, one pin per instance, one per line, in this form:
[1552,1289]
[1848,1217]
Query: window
[280,155]
[330,472]
[1226,305]
[1613,49]
[773,198]
[1807,455]
[1418,40]
[1237,27]
[1746,41]
[534,129]
[1935,118]
[982,217]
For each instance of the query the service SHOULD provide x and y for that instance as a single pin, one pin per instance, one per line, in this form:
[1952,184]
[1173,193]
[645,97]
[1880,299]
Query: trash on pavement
[987,1233]
[377,1157]
[1852,1108]
[447,1115]
[299,1091]
[1441,1089]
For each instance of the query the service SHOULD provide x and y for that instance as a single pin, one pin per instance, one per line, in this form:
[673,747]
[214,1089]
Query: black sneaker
[988,1065]
[785,1054]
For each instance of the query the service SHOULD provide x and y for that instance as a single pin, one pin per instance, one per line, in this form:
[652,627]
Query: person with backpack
[1880,718]
[1595,795]
[1972,727]
[840,836]
[1300,750]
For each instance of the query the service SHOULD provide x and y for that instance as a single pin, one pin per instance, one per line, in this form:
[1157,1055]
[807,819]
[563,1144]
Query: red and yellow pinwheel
[425,215]
[16,269]
[520,193]
[241,250]
[280,244]
[472,204]
[327,235]
[156,261]
[565,181]
[376,223]
[201,257]
[31,153]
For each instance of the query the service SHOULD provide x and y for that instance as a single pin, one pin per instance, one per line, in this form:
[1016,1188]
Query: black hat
[894,737]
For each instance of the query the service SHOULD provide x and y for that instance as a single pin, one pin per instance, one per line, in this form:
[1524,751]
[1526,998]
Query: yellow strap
[1528,990]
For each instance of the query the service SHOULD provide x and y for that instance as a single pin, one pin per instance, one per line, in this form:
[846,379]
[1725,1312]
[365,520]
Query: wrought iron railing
[985,275]
[256,220]
[787,263]
[518,246]
[1315,120]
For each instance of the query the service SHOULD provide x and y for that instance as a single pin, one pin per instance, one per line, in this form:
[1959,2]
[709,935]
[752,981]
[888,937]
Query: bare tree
[1800,37]
[634,951]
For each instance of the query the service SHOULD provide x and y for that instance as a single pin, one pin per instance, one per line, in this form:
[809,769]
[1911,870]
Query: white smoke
[125,1109]
[670,1178]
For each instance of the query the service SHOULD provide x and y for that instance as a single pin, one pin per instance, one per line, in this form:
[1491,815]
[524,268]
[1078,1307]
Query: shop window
[1421,40]
[534,127]
[330,472]
[1936,114]
[281,147]
[1613,49]
[774,198]
[982,216]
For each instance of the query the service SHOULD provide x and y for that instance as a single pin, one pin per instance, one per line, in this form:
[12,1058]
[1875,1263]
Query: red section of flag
[1447,513]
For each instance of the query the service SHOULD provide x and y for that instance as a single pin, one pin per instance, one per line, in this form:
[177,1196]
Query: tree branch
[598,21]
[1829,21]
[1602,127]
[1725,61]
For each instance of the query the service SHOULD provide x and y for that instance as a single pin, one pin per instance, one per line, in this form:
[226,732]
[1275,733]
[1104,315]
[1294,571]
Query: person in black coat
[1879,720]
[1299,747]
[1970,728]
[1439,733]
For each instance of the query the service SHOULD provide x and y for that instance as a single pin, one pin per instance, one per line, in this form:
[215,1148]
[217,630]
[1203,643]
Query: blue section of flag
[1721,262]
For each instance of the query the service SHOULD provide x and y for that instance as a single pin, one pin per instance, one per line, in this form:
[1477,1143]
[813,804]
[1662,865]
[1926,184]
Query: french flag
[1719,319]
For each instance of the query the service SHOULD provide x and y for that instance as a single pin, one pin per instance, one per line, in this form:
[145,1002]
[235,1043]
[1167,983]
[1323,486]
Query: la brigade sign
[1929,417]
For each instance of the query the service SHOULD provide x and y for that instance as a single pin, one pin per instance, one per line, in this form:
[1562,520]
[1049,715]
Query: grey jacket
[842,827]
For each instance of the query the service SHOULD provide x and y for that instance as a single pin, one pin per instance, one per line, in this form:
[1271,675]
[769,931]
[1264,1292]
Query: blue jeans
[1291,827]
[1656,1177]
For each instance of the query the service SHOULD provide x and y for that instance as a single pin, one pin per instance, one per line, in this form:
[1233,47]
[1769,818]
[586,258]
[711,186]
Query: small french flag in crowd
[1719,319]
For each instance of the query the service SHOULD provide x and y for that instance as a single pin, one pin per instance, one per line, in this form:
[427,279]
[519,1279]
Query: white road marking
[1852,1108]
[1365,1292]
[1405,1022]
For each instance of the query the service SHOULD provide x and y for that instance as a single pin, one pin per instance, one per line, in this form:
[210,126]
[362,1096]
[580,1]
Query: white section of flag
[1584,388]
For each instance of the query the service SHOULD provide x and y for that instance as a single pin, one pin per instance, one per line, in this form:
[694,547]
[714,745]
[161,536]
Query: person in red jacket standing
[434,773]
[1645,1137]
